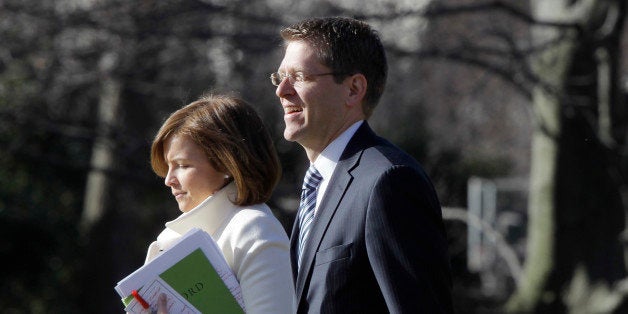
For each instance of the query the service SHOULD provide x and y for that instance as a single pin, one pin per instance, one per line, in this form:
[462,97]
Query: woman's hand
[162,304]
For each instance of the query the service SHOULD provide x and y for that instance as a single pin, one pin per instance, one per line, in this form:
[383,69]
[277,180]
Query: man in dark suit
[369,235]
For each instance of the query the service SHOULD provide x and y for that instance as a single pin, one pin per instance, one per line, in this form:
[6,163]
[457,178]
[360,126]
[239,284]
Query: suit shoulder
[387,155]
[368,152]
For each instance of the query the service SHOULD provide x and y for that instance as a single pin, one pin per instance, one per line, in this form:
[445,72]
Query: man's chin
[289,136]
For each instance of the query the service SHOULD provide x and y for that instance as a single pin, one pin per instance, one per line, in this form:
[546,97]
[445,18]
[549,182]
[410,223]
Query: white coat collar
[209,215]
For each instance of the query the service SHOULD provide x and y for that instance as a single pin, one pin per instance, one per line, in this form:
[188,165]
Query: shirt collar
[326,162]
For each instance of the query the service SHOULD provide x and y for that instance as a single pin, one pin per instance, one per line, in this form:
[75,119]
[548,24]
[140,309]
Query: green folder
[195,278]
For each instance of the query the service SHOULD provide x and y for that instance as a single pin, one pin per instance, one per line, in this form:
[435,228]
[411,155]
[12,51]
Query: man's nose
[284,88]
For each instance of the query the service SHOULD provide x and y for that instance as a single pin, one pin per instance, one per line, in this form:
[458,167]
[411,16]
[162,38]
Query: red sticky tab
[140,299]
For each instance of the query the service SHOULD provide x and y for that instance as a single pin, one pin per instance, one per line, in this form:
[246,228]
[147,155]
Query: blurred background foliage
[81,79]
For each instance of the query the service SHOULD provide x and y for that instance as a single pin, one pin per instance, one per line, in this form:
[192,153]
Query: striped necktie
[307,205]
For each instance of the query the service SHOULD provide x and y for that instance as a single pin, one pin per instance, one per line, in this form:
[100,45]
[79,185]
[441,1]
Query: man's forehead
[299,56]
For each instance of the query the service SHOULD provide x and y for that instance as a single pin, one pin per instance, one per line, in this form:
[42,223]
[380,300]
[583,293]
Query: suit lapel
[336,190]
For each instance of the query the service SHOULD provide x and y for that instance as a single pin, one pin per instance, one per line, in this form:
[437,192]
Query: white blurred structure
[496,231]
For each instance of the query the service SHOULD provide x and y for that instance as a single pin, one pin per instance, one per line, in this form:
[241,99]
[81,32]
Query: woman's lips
[178,195]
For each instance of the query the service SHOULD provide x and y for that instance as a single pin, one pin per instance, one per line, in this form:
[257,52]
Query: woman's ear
[357,89]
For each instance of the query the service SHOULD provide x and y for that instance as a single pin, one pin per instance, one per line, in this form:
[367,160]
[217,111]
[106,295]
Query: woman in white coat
[220,164]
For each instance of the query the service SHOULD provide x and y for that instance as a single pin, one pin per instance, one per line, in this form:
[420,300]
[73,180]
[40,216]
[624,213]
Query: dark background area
[84,86]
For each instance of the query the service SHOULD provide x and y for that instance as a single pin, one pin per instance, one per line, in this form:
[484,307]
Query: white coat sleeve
[261,262]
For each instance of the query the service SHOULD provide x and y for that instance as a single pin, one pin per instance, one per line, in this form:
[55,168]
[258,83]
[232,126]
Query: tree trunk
[103,150]
[576,216]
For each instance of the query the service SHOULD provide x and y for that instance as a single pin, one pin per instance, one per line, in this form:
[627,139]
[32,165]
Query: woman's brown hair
[234,139]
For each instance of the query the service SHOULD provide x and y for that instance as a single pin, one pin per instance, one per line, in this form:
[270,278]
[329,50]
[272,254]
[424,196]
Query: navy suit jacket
[377,243]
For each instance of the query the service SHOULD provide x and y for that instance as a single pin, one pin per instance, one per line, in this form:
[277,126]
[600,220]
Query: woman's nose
[170,179]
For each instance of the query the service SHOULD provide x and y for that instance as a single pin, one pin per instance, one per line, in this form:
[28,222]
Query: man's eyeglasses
[277,77]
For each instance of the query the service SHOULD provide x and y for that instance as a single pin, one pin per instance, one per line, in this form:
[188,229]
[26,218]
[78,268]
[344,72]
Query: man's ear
[357,89]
